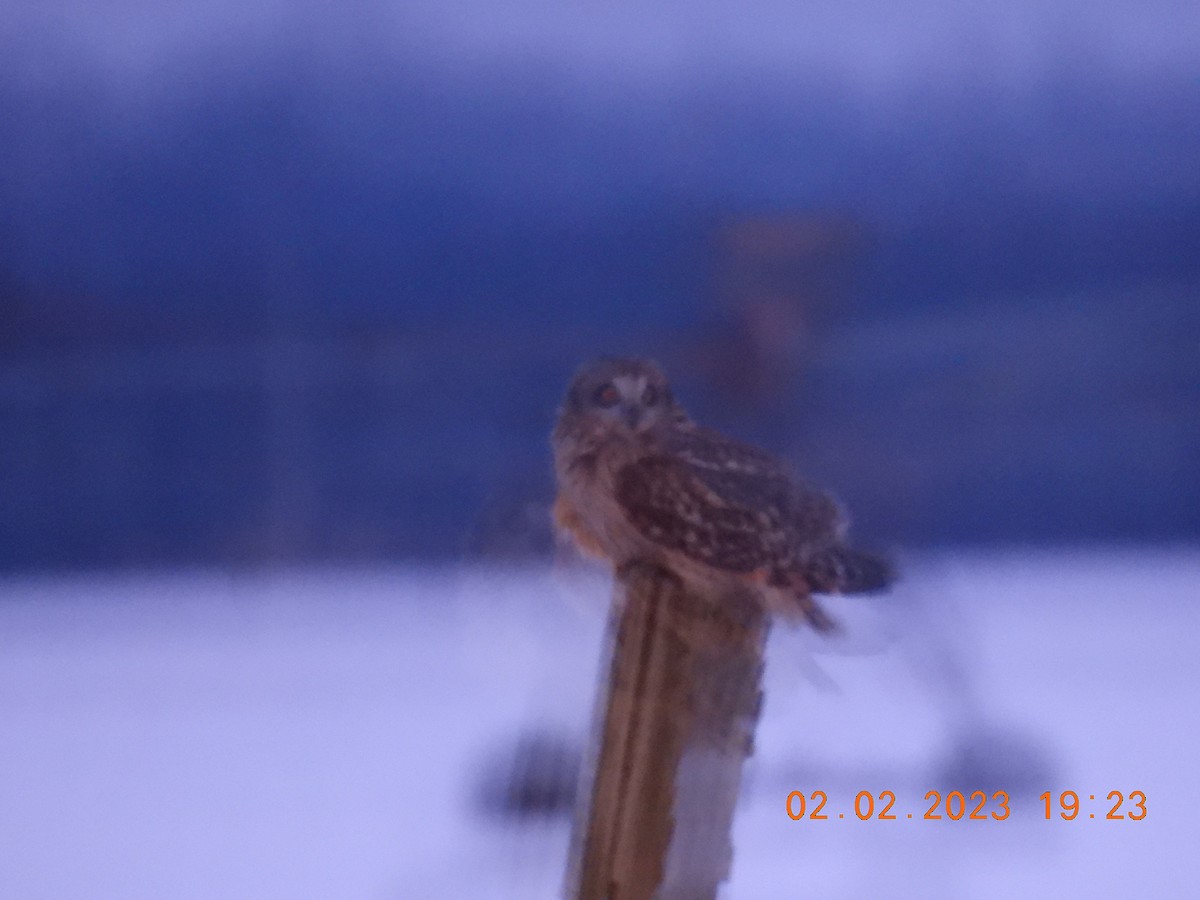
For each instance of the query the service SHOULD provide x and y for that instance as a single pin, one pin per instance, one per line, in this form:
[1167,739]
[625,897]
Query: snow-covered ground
[329,733]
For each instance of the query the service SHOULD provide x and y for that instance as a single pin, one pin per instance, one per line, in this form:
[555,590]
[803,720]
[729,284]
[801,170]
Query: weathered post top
[672,732]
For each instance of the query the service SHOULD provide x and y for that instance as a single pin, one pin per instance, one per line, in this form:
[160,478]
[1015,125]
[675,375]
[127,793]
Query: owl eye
[606,395]
[650,395]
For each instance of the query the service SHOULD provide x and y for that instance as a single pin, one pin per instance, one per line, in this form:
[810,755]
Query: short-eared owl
[638,480]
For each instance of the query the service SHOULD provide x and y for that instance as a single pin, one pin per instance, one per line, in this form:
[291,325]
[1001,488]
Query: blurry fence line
[283,446]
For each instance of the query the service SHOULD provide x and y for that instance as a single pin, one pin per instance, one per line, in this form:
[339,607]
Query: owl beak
[632,415]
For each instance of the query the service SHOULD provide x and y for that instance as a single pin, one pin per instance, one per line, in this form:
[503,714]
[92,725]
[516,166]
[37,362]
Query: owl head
[622,393]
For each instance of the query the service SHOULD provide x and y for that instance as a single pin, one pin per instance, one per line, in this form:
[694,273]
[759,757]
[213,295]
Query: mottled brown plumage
[638,480]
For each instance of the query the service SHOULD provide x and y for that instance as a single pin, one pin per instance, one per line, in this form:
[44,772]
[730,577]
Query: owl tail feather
[840,570]
[814,614]
[832,570]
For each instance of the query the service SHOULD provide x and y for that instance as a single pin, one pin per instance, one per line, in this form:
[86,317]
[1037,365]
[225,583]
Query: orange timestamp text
[972,806]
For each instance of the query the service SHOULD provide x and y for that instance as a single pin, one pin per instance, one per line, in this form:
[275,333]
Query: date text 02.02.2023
[976,806]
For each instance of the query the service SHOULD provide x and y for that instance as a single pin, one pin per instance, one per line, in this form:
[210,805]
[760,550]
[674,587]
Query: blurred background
[289,293]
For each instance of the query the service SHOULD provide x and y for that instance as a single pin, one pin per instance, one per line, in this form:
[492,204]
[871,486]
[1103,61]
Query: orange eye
[607,395]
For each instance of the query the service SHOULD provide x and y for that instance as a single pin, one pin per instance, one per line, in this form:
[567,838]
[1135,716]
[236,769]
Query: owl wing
[758,480]
[704,448]
[670,504]
[720,503]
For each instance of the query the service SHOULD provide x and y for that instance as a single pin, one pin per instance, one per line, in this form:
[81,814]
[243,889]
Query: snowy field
[329,733]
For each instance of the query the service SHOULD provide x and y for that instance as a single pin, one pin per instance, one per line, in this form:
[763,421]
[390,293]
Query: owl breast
[589,507]
[587,491]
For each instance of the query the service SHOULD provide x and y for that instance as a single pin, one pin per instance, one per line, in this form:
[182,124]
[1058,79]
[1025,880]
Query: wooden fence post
[673,727]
